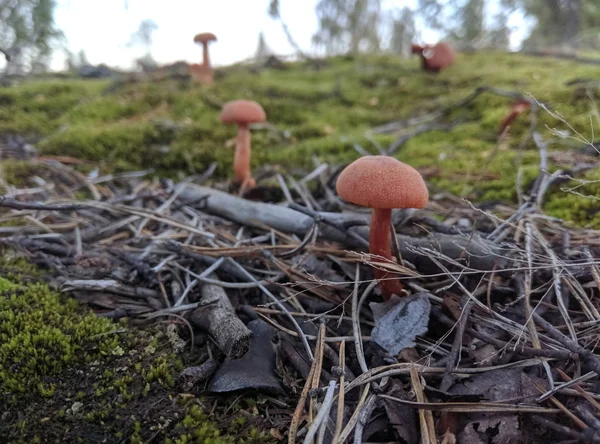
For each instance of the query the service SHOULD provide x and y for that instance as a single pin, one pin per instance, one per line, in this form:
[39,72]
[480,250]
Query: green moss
[68,375]
[195,428]
[175,128]
[35,108]
[40,336]
[578,201]
[18,172]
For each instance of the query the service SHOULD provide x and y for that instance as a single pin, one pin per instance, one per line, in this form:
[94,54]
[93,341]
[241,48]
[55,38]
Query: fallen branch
[220,321]
[479,253]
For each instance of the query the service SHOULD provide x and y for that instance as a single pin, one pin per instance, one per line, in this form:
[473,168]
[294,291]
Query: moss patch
[69,376]
[174,127]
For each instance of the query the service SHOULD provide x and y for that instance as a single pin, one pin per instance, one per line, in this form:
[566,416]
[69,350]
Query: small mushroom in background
[203,73]
[516,108]
[435,58]
[382,183]
[243,113]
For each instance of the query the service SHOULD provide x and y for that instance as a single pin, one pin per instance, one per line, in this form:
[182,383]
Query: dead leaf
[497,429]
[254,370]
[497,385]
[402,417]
[398,321]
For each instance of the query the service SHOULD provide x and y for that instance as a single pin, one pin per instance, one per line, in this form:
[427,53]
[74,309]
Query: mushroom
[516,108]
[243,112]
[203,73]
[382,183]
[434,58]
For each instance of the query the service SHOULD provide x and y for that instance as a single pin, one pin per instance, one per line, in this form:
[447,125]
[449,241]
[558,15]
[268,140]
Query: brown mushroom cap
[204,37]
[242,111]
[382,182]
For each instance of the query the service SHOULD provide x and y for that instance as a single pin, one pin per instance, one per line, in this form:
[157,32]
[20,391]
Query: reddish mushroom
[382,183]
[203,73]
[434,58]
[516,108]
[243,112]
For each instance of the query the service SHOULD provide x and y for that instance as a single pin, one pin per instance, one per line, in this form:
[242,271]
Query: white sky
[103,28]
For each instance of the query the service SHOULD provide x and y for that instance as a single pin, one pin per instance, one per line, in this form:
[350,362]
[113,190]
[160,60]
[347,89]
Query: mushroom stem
[241,159]
[379,245]
[205,58]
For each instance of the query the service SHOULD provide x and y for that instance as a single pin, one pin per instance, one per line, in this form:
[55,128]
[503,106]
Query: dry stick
[582,425]
[535,340]
[360,354]
[220,320]
[355,416]
[453,357]
[473,407]
[297,417]
[418,131]
[404,369]
[310,337]
[284,188]
[595,274]
[567,384]
[585,394]
[320,422]
[255,283]
[14,204]
[590,360]
[580,437]
[557,284]
[527,352]
[363,417]
[425,416]
[279,304]
[318,369]
[160,209]
[530,323]
[109,285]
[341,394]
[474,299]
[332,223]
[287,220]
[309,238]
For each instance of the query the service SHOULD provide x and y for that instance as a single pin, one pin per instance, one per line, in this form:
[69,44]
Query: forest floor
[111,198]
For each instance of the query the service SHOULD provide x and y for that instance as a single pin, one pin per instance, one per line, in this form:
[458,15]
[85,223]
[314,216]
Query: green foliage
[28,25]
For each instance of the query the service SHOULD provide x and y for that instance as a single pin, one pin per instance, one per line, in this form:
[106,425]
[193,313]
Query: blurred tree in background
[27,34]
[348,26]
[563,22]
[262,49]
[484,23]
[403,32]
[142,37]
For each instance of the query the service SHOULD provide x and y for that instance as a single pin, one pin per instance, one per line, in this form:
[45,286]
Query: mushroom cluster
[382,183]
[203,73]
[434,58]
